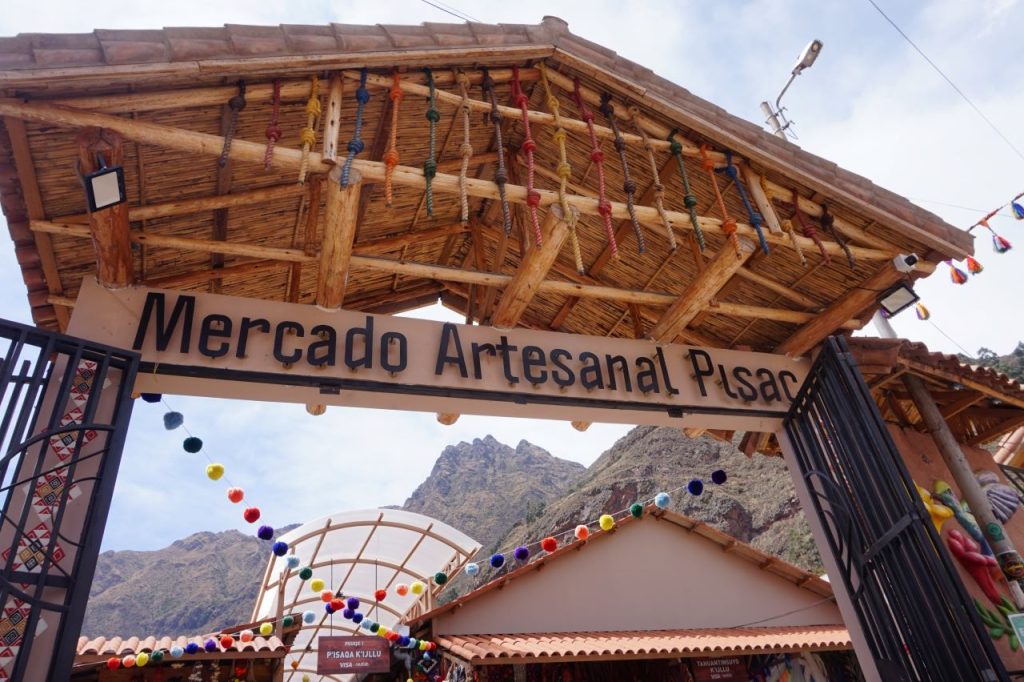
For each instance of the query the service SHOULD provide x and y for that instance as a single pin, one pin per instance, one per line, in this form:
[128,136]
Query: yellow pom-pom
[316,584]
[416,587]
[266,629]
[606,522]
[141,659]
[214,471]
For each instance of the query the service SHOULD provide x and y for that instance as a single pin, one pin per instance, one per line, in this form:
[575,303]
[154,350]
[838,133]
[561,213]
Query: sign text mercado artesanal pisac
[224,346]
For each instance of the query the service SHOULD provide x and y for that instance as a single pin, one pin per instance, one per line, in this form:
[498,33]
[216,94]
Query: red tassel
[973,266]
[1000,243]
[956,274]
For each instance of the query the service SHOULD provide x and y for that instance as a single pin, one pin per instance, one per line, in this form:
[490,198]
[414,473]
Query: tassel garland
[957,275]
[922,312]
[1000,243]
[973,266]
[1018,210]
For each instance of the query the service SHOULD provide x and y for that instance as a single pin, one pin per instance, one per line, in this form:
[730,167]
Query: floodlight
[897,299]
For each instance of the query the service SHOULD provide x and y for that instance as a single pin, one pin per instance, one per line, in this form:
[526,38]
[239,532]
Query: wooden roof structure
[157,101]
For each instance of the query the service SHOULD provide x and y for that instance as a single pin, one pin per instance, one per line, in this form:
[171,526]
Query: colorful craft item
[978,566]
[347,613]
[391,156]
[227,641]
[689,198]
[604,207]
[472,568]
[128,661]
[308,617]
[357,618]
[337,603]
[141,659]
[695,487]
[607,522]
[497,560]
[1003,498]
[440,578]
[417,587]
[266,629]
[1000,243]
[177,651]
[353,603]
[306,573]
[521,554]
[401,589]
[938,512]
[329,608]
[628,185]
[308,134]
[501,173]
[210,645]
[430,165]
[173,420]
[956,275]
[636,510]
[662,500]
[192,445]
[549,544]
[326,596]
[719,477]
[265,532]
[563,170]
[291,561]
[246,636]
[113,663]
[973,266]
[922,312]
[235,495]
[581,532]
[288,621]
[379,595]
[192,648]
[520,99]
[753,216]
[157,656]
[356,145]
[214,471]
[251,514]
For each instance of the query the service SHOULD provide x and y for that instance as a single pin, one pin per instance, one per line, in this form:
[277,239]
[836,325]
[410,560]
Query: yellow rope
[659,189]
[465,149]
[564,170]
[308,134]
[787,227]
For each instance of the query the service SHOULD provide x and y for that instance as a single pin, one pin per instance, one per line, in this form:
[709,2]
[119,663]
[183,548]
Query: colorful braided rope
[529,146]
[659,189]
[235,104]
[466,148]
[564,170]
[391,156]
[808,228]
[828,222]
[430,165]
[273,129]
[689,198]
[501,175]
[728,224]
[308,134]
[787,227]
[604,207]
[628,186]
[356,145]
[755,218]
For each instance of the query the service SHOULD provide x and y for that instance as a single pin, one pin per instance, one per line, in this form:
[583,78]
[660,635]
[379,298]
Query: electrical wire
[957,206]
[950,338]
[949,81]
[448,9]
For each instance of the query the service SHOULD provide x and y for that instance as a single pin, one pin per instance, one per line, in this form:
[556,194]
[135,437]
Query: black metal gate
[914,612]
[64,411]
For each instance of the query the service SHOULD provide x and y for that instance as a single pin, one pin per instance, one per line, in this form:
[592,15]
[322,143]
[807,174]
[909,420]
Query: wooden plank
[953,409]
[761,200]
[332,118]
[340,222]
[701,290]
[109,226]
[533,269]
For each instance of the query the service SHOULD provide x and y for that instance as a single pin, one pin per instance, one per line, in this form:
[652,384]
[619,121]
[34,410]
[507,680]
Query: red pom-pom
[337,604]
[549,544]
[113,663]
[394,636]
[251,514]
[380,594]
[326,596]
[226,642]
[973,266]
[235,495]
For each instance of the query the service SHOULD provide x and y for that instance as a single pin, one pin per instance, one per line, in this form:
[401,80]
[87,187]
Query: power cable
[447,9]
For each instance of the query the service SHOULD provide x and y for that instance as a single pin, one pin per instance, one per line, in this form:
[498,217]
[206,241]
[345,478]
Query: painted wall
[649,575]
[926,466]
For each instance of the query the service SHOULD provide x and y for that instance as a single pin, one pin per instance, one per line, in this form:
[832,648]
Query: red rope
[604,207]
[274,129]
[807,228]
[532,195]
[728,224]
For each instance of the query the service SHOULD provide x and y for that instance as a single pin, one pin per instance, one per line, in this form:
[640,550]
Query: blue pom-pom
[280,548]
[472,568]
[191,648]
[292,561]
[173,420]
[521,553]
[176,651]
[348,613]
[357,618]
[328,608]
[366,625]
[696,487]
[265,533]
[352,603]
[151,397]
[426,655]
[210,646]
[497,560]
[308,617]
[718,477]
[662,500]
[413,642]
[403,641]
[192,445]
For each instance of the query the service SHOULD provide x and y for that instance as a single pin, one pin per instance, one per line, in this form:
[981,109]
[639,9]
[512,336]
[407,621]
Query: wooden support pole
[532,271]
[699,293]
[332,122]
[340,224]
[761,200]
[109,226]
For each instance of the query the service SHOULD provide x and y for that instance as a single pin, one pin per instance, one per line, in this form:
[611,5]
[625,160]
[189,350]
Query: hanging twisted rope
[689,198]
[308,134]
[391,156]
[430,165]
[807,228]
[529,146]
[235,104]
[787,227]
[659,189]
[828,222]
[628,186]
[356,145]
[728,224]
[755,218]
[274,129]
[501,175]
[604,207]
[465,149]
[564,170]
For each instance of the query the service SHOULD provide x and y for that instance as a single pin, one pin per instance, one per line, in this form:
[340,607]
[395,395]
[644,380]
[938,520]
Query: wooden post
[970,489]
[761,200]
[109,226]
[340,224]
[332,125]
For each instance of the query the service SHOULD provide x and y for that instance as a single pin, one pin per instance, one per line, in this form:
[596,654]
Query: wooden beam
[339,234]
[532,270]
[999,429]
[187,279]
[953,409]
[849,305]
[761,200]
[332,121]
[109,226]
[385,244]
[476,160]
[701,290]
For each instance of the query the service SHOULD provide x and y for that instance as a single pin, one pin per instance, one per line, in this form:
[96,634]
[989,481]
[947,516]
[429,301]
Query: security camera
[905,262]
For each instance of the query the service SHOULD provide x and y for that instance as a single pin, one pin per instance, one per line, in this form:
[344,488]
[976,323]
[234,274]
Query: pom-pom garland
[472,568]
[128,661]
[328,608]
[326,596]
[251,514]
[235,495]
[177,651]
[922,312]
[291,561]
[306,573]
[246,636]
[337,603]
[157,656]
[352,603]
[607,522]
[113,663]
[227,641]
[581,532]
[440,578]
[192,445]
[662,500]
[265,532]
[548,544]
[695,487]
[210,646]
[141,659]
[192,648]
[521,553]
[348,613]
[173,420]
[417,587]
[308,617]
[214,471]
[266,629]
[316,584]
[288,621]
[636,510]
[279,548]
[718,476]
[379,595]
[497,560]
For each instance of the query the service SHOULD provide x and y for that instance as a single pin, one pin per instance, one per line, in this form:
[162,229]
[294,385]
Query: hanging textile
[501,175]
[604,207]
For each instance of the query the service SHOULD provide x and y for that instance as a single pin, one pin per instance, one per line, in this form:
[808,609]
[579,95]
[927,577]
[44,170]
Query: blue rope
[355,145]
[755,218]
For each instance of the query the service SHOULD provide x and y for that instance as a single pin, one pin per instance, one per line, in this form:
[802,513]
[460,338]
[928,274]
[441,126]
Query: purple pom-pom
[280,548]
[348,613]
[265,533]
[696,487]
[352,603]
[522,553]
[210,646]
[718,477]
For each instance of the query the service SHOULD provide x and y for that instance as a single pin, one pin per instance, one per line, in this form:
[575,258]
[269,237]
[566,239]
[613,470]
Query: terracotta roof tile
[306,38]
[132,47]
[671,643]
[409,36]
[356,38]
[451,35]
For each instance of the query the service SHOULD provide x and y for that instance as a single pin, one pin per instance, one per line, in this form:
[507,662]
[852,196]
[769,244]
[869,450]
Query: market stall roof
[244,228]
[609,646]
[356,553]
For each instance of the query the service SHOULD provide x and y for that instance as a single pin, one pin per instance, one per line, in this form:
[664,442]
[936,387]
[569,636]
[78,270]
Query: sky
[870,104]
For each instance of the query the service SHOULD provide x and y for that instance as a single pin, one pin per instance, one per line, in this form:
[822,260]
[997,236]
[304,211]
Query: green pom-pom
[156,656]
[288,621]
[636,509]
[192,444]
[440,578]
[306,573]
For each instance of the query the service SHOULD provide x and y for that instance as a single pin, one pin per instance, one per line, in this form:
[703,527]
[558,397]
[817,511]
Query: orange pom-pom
[326,596]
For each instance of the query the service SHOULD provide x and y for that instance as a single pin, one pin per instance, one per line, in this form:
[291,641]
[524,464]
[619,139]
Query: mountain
[484,487]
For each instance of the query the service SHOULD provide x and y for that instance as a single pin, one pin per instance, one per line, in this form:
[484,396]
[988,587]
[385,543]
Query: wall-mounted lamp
[104,187]
[897,299]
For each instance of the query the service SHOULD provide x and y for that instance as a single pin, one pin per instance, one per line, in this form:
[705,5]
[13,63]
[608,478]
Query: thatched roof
[181,79]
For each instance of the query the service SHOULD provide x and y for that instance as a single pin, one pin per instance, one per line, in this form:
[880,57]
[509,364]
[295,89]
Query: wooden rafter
[341,215]
[969,400]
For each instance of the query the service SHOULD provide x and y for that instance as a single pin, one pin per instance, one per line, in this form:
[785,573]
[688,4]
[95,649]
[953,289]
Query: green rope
[689,199]
[430,165]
